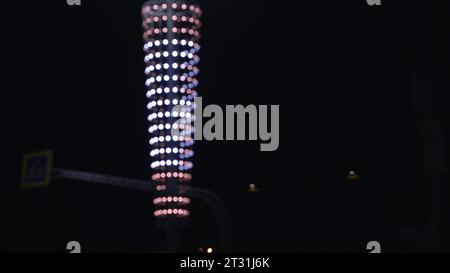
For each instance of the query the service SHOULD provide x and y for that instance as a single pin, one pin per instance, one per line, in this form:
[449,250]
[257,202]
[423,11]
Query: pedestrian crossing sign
[36,170]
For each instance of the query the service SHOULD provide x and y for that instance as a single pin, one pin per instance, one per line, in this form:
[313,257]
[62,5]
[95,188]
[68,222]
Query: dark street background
[340,71]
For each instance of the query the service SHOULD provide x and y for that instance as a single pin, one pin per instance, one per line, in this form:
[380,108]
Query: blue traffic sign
[36,170]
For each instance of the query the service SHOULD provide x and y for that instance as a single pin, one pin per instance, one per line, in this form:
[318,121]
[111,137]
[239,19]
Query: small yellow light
[209,250]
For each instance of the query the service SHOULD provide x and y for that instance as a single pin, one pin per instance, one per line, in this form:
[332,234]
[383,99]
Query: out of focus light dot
[353,175]
[252,188]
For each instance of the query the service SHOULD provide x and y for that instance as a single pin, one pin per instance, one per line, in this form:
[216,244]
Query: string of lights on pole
[171,35]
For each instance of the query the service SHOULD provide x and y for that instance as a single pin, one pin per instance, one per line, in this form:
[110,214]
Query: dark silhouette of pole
[429,161]
[212,200]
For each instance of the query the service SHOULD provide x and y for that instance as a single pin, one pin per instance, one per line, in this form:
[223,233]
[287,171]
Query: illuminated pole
[171,35]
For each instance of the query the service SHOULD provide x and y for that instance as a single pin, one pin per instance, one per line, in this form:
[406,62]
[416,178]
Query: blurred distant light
[352,175]
[252,188]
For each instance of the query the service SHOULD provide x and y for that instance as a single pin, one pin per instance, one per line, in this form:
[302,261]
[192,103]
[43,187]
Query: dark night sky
[340,71]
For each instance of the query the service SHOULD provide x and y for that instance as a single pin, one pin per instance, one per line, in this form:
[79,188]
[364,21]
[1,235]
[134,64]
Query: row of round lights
[185,77]
[153,65]
[165,30]
[165,6]
[167,90]
[193,82]
[166,78]
[172,199]
[183,123]
[175,150]
[168,114]
[176,42]
[165,66]
[190,54]
[184,19]
[182,177]
[169,126]
[175,212]
[170,139]
[166,102]
[183,165]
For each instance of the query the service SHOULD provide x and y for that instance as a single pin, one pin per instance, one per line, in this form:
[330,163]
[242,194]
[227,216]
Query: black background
[340,71]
